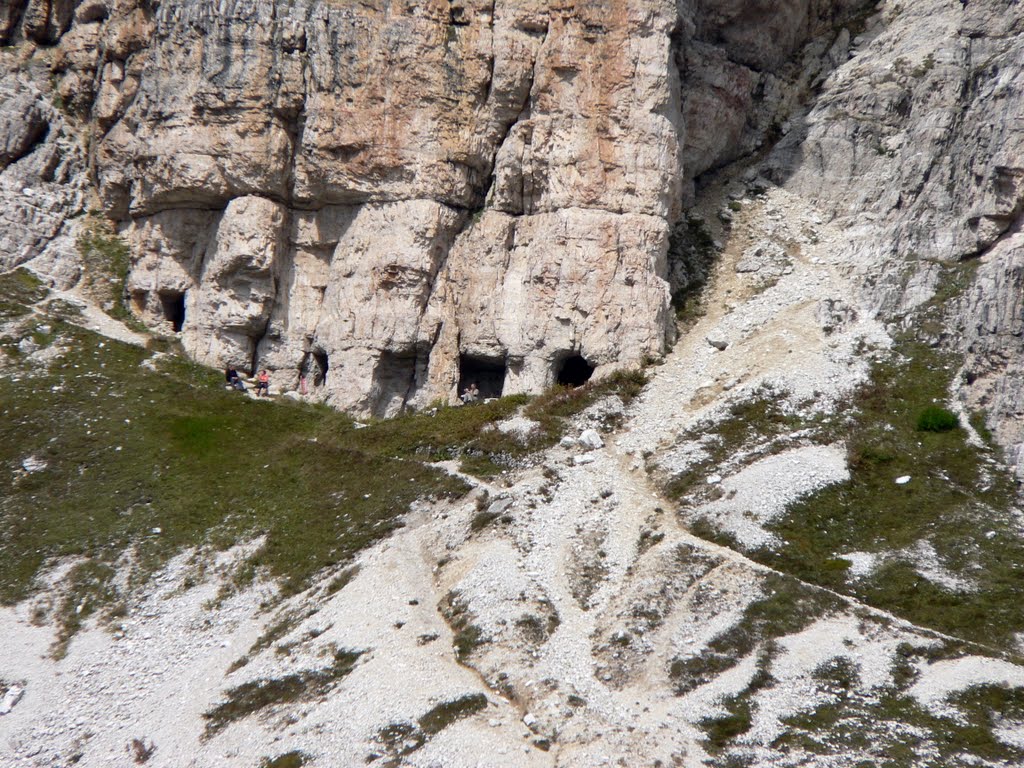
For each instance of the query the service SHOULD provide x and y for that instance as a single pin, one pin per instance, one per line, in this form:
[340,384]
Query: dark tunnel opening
[574,372]
[173,305]
[487,373]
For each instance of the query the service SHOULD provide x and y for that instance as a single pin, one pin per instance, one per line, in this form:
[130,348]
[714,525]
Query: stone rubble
[506,182]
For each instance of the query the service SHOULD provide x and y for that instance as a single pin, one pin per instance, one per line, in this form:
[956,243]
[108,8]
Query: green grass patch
[159,462]
[130,451]
[250,698]
[891,729]
[446,713]
[468,636]
[786,607]
[723,729]
[399,740]
[758,426]
[18,291]
[956,501]
[936,419]
[294,759]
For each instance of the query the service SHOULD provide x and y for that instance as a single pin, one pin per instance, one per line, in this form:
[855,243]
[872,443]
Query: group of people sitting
[235,381]
[470,394]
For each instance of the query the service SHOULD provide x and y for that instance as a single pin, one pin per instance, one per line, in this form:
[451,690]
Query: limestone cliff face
[378,195]
[380,189]
[386,196]
[917,146]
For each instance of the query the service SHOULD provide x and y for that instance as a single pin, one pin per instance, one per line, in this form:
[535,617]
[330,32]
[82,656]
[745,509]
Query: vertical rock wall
[377,195]
[379,189]
[367,194]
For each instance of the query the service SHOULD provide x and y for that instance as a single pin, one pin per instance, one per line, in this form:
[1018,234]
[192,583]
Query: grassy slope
[130,450]
[959,501]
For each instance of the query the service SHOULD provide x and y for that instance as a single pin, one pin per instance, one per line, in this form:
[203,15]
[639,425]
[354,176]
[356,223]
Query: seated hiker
[470,394]
[263,383]
[233,379]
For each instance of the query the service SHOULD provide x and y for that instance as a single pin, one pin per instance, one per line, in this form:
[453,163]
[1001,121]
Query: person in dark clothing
[233,379]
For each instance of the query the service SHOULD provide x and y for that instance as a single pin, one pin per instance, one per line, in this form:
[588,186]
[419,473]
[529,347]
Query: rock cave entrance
[314,367]
[394,380]
[574,372]
[319,368]
[173,305]
[487,373]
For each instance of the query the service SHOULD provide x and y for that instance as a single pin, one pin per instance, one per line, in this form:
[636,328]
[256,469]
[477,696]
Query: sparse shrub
[936,419]
[481,520]
[107,259]
[141,751]
[448,712]
[294,759]
[252,697]
[468,636]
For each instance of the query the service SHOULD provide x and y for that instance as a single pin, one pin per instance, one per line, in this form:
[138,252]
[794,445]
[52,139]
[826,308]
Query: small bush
[482,519]
[141,751]
[292,759]
[936,419]
[448,712]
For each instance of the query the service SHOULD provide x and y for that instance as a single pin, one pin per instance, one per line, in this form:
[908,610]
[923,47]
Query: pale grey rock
[591,440]
[991,319]
[11,698]
[33,464]
[500,506]
[22,124]
[766,259]
[834,315]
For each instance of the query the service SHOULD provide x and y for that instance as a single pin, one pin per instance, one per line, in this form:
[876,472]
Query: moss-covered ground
[956,501]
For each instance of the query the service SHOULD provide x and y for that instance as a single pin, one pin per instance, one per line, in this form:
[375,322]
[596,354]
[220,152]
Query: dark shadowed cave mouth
[173,305]
[574,372]
[487,373]
[320,368]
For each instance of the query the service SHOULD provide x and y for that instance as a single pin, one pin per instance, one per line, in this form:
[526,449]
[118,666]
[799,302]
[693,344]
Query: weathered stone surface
[917,135]
[916,144]
[992,317]
[368,194]
[22,125]
[417,134]
[46,20]
[42,179]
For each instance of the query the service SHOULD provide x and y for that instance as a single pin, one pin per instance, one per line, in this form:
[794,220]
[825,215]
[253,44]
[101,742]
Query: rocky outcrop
[393,199]
[915,138]
[915,146]
[43,176]
[400,154]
